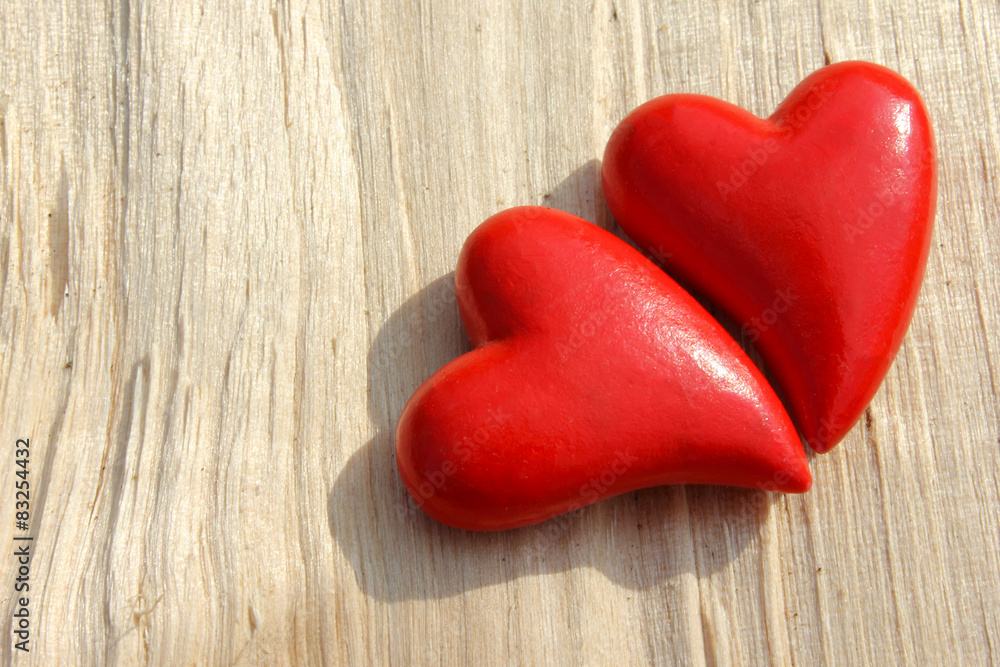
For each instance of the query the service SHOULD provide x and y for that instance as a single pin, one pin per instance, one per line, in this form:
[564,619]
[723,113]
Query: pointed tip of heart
[795,474]
[826,412]
[790,472]
[823,434]
[775,462]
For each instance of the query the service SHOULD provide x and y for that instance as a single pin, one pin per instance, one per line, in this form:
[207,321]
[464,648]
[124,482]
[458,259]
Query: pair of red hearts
[594,373]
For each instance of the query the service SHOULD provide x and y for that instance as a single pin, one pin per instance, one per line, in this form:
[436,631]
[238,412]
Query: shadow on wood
[639,540]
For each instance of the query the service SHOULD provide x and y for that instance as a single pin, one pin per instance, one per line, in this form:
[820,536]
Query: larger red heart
[810,228]
[594,374]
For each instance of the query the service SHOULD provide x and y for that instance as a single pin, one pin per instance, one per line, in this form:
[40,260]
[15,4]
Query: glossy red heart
[810,228]
[593,374]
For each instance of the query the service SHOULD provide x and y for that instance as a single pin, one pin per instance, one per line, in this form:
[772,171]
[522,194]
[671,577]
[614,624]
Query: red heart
[810,228]
[594,374]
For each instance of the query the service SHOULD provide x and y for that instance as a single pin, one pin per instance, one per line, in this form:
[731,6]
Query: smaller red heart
[810,228]
[593,374]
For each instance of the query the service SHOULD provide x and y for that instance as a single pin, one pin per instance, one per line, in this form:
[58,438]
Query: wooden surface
[227,233]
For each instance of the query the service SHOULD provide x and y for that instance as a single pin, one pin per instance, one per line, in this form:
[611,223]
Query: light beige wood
[226,234]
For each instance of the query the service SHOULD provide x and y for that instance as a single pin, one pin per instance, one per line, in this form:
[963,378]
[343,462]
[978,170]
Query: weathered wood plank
[226,236]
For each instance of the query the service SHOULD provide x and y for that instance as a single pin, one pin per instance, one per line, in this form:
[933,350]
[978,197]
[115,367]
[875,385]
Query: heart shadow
[640,540]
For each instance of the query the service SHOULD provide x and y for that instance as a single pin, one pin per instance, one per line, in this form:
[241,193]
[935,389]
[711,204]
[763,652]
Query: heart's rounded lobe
[594,374]
[810,228]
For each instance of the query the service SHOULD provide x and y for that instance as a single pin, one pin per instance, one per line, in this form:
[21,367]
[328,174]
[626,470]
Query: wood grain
[227,233]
